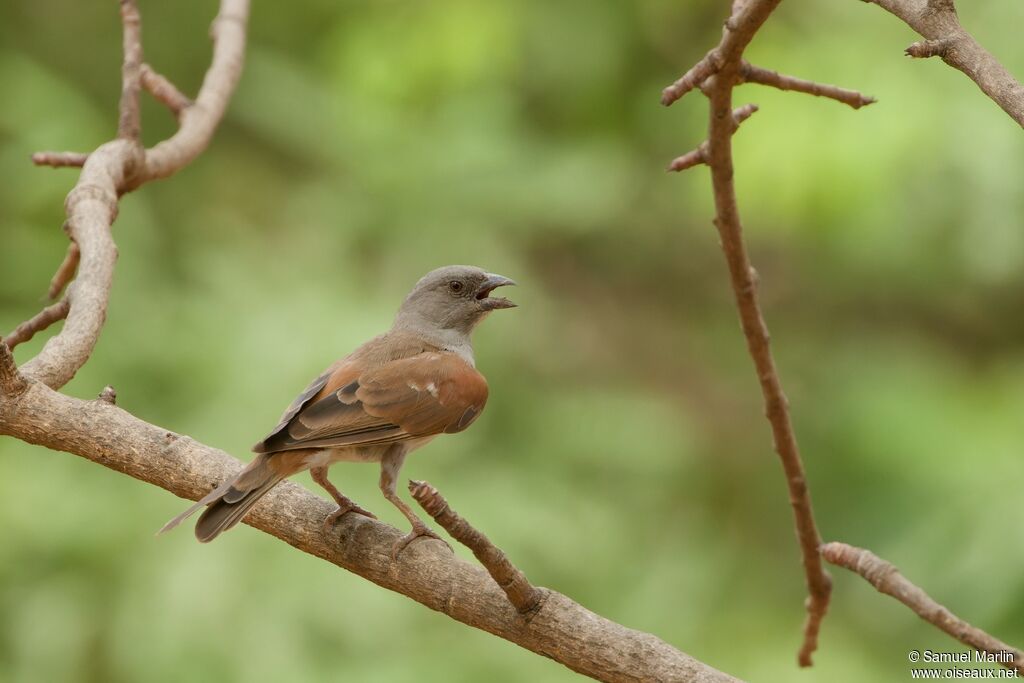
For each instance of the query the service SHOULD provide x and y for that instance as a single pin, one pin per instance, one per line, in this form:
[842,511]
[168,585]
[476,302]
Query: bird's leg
[390,464]
[345,504]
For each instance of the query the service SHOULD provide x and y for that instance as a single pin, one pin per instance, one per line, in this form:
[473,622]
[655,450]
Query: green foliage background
[623,458]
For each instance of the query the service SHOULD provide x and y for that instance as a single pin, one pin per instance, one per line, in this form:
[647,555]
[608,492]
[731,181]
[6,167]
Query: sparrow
[390,396]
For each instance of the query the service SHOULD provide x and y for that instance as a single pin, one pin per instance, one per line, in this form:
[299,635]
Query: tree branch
[65,271]
[523,595]
[886,578]
[129,126]
[59,159]
[164,91]
[199,121]
[426,571]
[40,321]
[755,74]
[12,382]
[727,57]
[698,156]
[122,165]
[945,37]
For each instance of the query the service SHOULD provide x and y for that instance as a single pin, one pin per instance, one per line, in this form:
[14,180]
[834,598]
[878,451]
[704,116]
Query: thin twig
[65,271]
[755,74]
[59,159]
[706,67]
[740,29]
[37,323]
[698,156]
[164,91]
[886,578]
[129,126]
[521,593]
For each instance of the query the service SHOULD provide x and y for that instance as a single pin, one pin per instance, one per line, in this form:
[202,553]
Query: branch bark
[945,37]
[426,571]
[887,579]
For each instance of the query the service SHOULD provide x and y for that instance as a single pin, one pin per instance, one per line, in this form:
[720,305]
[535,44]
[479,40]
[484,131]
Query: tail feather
[223,514]
[228,503]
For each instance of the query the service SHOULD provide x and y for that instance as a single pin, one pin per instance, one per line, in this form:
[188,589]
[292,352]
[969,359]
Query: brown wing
[298,404]
[423,395]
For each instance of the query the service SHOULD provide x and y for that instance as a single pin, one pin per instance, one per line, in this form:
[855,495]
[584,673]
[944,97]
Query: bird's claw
[340,512]
[417,532]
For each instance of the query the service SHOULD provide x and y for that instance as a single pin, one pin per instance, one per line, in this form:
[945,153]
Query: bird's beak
[492,282]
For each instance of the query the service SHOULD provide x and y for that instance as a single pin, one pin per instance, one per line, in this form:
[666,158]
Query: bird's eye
[455,286]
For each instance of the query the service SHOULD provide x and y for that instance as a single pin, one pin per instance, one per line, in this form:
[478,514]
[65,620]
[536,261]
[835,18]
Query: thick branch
[938,24]
[739,30]
[886,578]
[121,165]
[755,74]
[40,321]
[523,595]
[426,571]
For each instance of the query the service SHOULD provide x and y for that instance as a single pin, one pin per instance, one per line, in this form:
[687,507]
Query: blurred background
[623,458]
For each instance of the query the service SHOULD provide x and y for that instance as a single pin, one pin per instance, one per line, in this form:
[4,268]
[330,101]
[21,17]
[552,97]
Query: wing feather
[411,397]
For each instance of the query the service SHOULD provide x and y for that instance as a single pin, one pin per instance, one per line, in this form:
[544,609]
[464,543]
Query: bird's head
[453,298]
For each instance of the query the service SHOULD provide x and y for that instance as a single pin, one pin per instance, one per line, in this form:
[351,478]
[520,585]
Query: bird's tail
[228,503]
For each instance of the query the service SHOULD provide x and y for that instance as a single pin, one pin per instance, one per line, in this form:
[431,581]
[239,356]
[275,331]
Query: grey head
[450,301]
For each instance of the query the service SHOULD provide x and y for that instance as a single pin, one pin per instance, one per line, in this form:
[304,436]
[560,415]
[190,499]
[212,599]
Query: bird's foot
[342,510]
[418,530]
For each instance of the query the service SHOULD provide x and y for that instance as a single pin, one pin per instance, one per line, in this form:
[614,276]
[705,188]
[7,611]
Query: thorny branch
[700,155]
[716,74]
[887,579]
[755,74]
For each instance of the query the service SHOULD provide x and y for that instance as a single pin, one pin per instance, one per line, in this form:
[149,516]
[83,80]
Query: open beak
[489,285]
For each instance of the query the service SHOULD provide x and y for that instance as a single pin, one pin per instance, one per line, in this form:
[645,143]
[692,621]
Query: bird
[390,396]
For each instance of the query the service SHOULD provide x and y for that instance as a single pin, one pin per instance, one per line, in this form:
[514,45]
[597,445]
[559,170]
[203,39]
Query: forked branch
[120,166]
